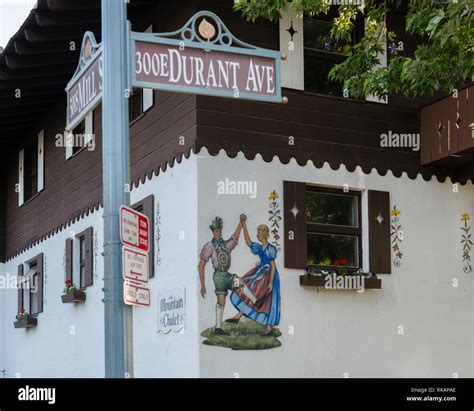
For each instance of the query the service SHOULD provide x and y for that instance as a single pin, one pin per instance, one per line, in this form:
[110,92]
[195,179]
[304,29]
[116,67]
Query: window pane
[334,209]
[78,137]
[83,276]
[317,36]
[31,170]
[332,250]
[316,72]
[34,295]
[136,105]
[82,246]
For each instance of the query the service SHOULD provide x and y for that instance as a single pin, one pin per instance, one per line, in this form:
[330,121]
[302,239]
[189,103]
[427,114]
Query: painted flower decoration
[344,261]
[395,212]
[273,196]
[465,217]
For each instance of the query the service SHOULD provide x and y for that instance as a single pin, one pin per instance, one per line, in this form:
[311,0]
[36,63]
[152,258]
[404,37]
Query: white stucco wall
[335,332]
[174,354]
[69,339]
[339,332]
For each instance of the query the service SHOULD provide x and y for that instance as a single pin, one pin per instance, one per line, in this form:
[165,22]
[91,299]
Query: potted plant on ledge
[72,294]
[25,320]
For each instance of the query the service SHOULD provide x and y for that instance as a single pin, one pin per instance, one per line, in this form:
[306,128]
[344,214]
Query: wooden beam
[6,101]
[66,5]
[8,121]
[39,90]
[70,33]
[23,48]
[19,126]
[22,111]
[17,62]
[58,19]
[58,69]
[61,5]
[33,83]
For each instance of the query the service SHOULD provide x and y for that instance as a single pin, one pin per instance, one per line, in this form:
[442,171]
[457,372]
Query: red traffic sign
[136,295]
[135,265]
[134,229]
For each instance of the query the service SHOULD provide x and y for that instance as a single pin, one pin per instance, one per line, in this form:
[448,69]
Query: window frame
[39,273]
[332,229]
[89,124]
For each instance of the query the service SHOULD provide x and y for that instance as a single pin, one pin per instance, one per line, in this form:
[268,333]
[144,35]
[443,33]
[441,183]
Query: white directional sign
[135,265]
[136,295]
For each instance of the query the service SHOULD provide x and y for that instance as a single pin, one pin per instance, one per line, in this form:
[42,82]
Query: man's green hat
[216,224]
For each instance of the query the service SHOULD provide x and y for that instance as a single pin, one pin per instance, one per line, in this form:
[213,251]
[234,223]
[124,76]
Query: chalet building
[366,188]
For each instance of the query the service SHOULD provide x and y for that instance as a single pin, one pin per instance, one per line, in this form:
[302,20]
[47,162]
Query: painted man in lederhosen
[219,250]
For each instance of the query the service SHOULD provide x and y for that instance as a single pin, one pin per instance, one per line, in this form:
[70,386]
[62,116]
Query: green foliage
[442,61]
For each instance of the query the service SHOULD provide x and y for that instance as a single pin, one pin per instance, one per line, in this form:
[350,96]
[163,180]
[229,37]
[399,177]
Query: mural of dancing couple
[255,295]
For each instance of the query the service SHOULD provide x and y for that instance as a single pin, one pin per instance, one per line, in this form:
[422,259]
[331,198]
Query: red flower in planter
[344,261]
[67,282]
[22,310]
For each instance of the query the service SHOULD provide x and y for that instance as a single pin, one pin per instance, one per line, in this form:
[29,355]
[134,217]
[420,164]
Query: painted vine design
[96,253]
[274,219]
[466,243]
[158,232]
[396,234]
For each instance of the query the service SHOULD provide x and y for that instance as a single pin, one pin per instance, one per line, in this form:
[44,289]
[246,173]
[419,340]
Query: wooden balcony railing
[447,130]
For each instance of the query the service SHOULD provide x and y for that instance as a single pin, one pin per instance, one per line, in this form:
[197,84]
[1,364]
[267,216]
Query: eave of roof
[38,60]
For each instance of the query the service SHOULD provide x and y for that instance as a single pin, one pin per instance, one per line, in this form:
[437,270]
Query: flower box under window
[27,322]
[74,297]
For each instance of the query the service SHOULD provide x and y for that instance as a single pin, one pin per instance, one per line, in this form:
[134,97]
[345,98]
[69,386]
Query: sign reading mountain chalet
[205,59]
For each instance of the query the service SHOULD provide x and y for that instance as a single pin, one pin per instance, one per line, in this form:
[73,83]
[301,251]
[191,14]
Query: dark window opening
[334,234]
[135,106]
[78,137]
[30,174]
[322,53]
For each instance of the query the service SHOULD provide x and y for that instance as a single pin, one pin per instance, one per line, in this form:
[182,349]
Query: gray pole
[116,180]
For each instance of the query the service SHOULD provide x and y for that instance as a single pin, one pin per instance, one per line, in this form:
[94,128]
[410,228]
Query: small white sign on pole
[135,265]
[136,294]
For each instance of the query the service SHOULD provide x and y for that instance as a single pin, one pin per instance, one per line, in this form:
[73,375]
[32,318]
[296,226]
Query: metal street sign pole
[116,180]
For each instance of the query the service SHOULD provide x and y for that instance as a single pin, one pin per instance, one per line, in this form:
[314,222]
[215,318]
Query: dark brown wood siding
[324,129]
[74,186]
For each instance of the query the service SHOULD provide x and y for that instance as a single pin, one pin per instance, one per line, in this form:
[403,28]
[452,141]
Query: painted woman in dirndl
[263,281]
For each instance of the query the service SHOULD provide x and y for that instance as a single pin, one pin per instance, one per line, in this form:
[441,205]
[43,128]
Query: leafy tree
[442,61]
